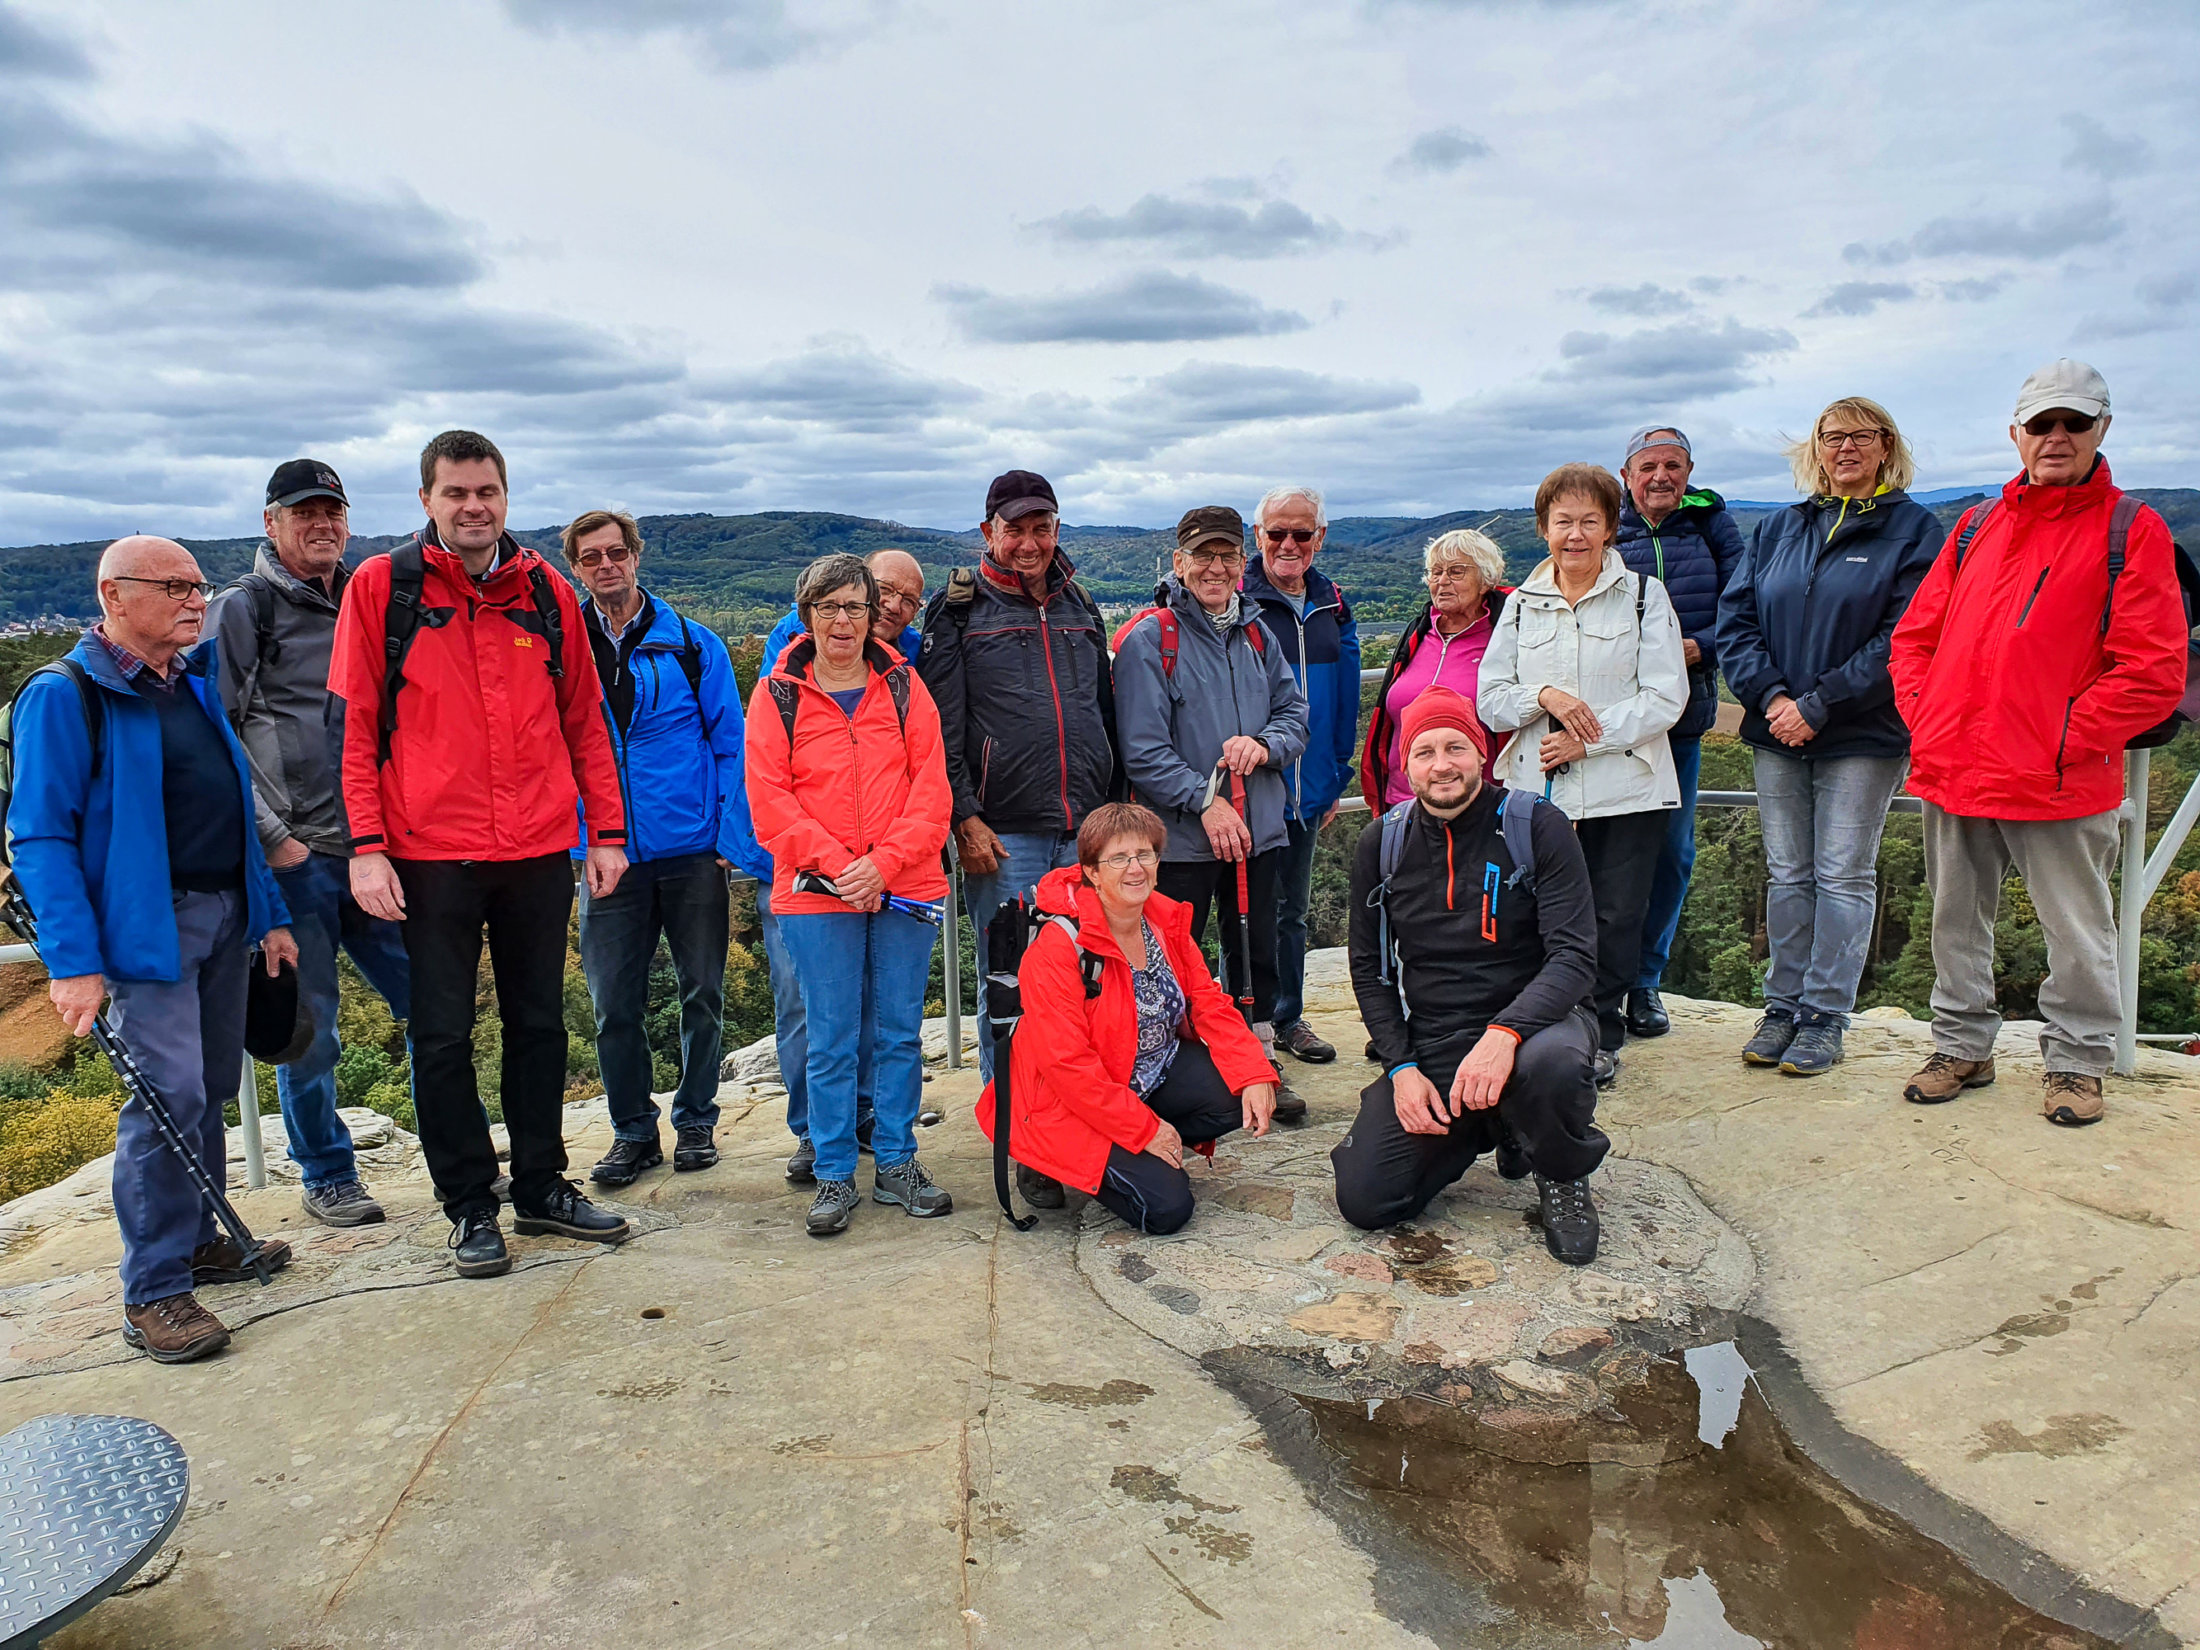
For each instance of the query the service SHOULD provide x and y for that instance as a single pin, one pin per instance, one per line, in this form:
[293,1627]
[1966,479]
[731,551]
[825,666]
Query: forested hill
[738,571]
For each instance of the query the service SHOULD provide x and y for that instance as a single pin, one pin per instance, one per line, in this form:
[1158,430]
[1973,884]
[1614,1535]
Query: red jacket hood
[1065,893]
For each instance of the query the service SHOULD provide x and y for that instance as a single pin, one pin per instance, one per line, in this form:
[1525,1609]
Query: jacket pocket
[2062,743]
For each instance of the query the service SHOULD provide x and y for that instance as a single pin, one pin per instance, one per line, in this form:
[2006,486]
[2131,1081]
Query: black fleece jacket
[1474,952]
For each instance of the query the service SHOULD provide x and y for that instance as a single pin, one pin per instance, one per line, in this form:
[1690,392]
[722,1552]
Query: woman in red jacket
[848,788]
[1108,1092]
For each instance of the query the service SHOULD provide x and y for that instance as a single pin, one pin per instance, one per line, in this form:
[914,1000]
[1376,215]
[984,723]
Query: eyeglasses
[1145,859]
[1454,575]
[2049,422]
[617,555]
[840,610]
[176,590]
[1215,558]
[1297,535]
[888,596]
[1834,440]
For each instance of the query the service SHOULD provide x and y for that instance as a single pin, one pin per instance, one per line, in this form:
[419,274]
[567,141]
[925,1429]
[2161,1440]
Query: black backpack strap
[1973,520]
[1516,821]
[691,660]
[550,614]
[786,696]
[1391,848]
[400,624]
[1642,590]
[961,593]
[2119,541]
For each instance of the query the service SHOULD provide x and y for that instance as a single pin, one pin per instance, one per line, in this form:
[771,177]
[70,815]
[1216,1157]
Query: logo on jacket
[523,641]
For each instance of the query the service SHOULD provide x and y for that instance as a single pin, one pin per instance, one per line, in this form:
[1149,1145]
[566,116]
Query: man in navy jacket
[674,714]
[1682,535]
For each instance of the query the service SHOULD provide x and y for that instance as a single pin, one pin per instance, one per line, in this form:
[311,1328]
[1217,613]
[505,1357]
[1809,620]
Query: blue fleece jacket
[92,849]
[1322,647]
[1695,551]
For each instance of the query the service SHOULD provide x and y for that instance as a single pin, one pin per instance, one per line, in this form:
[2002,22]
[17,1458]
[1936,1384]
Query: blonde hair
[1897,467]
[1468,545]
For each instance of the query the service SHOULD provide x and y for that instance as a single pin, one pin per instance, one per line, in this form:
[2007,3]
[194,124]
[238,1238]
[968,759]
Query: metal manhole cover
[85,1500]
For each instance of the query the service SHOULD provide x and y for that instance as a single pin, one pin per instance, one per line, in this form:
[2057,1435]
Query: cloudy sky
[861,254]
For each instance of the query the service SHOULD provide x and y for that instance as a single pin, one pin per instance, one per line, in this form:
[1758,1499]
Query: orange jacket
[849,785]
[490,750]
[1070,1097]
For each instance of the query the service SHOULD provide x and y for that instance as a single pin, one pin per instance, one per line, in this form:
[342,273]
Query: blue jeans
[187,1036]
[1027,856]
[1822,824]
[324,916]
[684,899]
[855,968]
[1669,887]
[1294,890]
[791,1029]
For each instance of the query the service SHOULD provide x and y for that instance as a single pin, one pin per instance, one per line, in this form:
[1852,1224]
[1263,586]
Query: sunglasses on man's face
[616,555]
[1297,535]
[2049,422]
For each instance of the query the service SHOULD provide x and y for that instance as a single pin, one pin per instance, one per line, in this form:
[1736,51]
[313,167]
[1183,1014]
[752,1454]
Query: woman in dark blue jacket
[1804,631]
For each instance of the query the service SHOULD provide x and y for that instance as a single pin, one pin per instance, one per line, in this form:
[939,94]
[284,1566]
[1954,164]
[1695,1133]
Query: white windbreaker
[1633,677]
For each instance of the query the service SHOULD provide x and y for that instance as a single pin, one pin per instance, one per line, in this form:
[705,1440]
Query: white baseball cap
[2064,383]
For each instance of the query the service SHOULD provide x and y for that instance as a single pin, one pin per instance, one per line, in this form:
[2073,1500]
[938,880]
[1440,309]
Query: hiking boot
[175,1329]
[1814,1049]
[802,1167]
[1607,1067]
[1290,1104]
[1569,1220]
[1646,1016]
[626,1161]
[696,1148]
[565,1213]
[1298,1039]
[222,1260]
[2073,1099]
[1943,1077]
[477,1245]
[908,1185]
[835,1202]
[1039,1191]
[1769,1046]
[341,1203]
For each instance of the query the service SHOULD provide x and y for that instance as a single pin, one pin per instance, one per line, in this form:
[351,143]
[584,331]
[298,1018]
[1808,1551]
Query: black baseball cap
[1019,493]
[1208,523]
[304,478]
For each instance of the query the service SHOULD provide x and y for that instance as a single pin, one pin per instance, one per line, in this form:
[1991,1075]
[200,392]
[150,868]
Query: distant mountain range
[738,572]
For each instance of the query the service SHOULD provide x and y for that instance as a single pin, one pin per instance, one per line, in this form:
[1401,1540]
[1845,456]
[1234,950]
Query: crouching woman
[1109,1091]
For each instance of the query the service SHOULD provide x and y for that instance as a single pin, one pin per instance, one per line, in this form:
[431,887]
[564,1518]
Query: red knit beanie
[1440,707]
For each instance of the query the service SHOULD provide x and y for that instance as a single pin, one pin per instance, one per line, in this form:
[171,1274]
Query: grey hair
[1467,544]
[828,574]
[1284,495]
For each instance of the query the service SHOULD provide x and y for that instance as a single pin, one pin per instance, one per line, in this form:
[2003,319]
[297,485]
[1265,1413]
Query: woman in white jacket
[1586,673]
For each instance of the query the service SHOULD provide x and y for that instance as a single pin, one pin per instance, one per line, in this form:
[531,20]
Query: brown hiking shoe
[1944,1077]
[222,1261]
[173,1330]
[2073,1099]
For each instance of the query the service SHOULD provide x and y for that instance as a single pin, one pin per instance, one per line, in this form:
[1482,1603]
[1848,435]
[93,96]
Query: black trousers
[1385,1174]
[1201,882]
[1148,1193]
[1622,852]
[523,905]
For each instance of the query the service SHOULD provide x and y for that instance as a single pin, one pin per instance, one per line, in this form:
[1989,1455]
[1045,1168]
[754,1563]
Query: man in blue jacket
[132,824]
[1681,534]
[1307,614]
[674,715]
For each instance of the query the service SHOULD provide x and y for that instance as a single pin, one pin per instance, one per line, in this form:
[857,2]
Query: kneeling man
[1474,991]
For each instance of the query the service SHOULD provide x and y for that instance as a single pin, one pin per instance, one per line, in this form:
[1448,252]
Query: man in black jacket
[1481,1025]
[1016,659]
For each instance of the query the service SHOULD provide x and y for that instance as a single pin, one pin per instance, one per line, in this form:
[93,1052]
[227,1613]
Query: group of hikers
[395,759]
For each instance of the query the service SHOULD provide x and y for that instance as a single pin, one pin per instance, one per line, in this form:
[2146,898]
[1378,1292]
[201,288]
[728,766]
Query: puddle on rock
[1736,1542]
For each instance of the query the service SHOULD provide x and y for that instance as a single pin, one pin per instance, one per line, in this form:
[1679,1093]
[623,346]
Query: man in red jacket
[2023,670]
[459,797]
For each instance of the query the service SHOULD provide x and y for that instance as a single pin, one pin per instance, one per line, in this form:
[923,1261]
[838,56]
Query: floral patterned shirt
[1160,1010]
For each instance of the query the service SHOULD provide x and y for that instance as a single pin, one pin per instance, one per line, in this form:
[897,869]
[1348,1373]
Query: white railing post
[2131,904]
[248,1119]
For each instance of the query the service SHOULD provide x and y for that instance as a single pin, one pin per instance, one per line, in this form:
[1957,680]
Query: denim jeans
[1027,856]
[855,968]
[791,1029]
[324,916]
[1294,892]
[684,899]
[1822,823]
[187,1035]
[1669,887]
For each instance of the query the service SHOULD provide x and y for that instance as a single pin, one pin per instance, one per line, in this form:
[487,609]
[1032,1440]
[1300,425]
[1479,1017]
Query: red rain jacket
[1070,1097]
[850,786]
[2018,707]
[490,750]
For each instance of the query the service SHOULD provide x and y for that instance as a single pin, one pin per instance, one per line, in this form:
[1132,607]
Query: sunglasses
[1297,535]
[2049,422]
[617,554]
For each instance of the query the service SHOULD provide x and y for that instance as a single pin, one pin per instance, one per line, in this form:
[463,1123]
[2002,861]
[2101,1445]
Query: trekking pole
[15,911]
[1244,899]
[1006,936]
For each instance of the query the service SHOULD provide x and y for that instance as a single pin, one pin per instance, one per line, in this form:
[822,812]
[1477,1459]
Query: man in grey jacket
[275,626]
[1201,686]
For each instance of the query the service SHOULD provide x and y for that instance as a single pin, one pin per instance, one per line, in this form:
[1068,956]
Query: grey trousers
[2065,864]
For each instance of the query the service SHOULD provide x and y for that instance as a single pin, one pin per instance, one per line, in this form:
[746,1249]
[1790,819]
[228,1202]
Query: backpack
[1256,633]
[262,596]
[787,694]
[402,616]
[962,592]
[1515,819]
[1007,937]
[95,722]
[2188,589]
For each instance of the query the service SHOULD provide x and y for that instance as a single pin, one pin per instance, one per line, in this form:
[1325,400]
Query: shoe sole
[484,1268]
[626,1176]
[1794,1070]
[1633,1030]
[534,1226]
[1918,1097]
[183,1355]
[1289,1119]
[1310,1059]
[1570,1260]
[830,1231]
[694,1164]
[1749,1059]
[879,1196]
[236,1274]
[375,1216]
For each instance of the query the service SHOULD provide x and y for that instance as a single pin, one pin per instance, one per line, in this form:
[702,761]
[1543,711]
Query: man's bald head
[136,575]
[143,556]
[900,593]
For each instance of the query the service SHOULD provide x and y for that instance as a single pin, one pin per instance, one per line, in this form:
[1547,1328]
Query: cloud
[1644,301]
[2048,233]
[29,52]
[1204,229]
[1860,298]
[740,35]
[1209,393]
[2163,300]
[2093,149]
[1153,307]
[1688,360]
[1974,290]
[1444,150]
[842,383]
